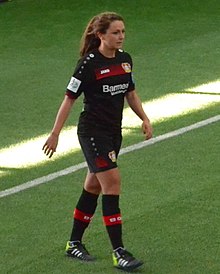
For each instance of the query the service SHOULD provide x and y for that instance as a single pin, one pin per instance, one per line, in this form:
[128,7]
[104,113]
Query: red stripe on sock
[84,217]
[112,220]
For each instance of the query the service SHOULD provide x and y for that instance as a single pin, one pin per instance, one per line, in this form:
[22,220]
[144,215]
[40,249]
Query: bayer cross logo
[112,156]
[126,67]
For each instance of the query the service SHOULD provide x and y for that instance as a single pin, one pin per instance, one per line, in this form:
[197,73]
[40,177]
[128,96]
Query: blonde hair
[99,23]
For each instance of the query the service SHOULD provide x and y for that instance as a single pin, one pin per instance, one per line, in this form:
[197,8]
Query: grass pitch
[170,196]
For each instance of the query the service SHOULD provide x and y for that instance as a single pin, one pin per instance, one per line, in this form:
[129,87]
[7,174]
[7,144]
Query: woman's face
[114,36]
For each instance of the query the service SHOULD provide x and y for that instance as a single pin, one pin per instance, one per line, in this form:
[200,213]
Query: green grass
[170,204]
[170,195]
[39,50]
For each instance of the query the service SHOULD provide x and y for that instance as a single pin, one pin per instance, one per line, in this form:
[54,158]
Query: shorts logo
[112,156]
[74,84]
[126,67]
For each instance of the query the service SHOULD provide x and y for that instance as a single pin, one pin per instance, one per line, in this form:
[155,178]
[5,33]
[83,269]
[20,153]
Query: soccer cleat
[76,249]
[124,260]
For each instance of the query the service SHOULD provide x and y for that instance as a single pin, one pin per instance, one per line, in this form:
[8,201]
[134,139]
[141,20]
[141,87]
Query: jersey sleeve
[79,79]
[131,76]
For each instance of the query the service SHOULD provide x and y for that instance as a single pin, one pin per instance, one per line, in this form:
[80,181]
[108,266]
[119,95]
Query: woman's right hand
[50,145]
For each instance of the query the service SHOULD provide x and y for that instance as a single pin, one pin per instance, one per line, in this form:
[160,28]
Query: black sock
[112,219]
[83,214]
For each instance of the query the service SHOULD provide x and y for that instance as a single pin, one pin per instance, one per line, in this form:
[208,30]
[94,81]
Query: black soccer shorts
[101,152]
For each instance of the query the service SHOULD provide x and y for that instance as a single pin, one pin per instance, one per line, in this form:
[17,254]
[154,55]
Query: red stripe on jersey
[84,217]
[112,220]
[113,70]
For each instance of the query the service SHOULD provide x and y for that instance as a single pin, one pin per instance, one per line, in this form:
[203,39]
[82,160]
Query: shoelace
[81,247]
[125,255]
[128,256]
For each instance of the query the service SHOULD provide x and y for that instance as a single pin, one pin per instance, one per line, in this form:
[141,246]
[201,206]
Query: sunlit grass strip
[29,152]
[128,149]
[213,88]
[171,105]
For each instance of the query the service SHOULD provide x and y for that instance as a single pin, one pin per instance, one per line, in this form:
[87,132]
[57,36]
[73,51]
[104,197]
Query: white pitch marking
[125,150]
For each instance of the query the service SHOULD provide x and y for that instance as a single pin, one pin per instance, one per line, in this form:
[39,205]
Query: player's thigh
[110,181]
[92,184]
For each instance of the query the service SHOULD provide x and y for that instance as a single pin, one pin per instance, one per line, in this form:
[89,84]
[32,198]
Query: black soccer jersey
[104,82]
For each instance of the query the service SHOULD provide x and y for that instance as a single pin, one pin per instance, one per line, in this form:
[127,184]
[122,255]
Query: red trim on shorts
[81,216]
[101,162]
[112,220]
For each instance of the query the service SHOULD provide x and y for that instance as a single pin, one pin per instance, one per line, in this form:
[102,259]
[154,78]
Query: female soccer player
[104,76]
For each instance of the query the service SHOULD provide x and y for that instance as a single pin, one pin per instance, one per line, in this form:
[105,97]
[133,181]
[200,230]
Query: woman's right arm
[51,144]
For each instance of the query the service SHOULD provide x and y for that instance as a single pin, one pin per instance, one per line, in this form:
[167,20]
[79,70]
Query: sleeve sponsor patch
[74,84]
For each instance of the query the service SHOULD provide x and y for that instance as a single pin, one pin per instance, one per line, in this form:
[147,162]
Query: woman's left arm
[135,104]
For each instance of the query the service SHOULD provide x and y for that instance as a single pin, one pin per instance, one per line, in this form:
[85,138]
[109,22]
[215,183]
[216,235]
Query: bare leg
[92,184]
[109,181]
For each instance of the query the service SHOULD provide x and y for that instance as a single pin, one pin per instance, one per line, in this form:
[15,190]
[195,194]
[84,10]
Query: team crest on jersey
[112,156]
[126,67]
